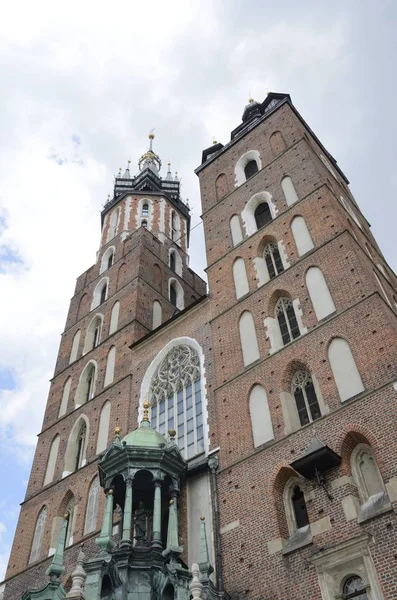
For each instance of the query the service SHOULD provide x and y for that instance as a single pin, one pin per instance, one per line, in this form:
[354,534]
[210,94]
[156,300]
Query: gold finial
[202,518]
[151,135]
[66,516]
[251,100]
[146,409]
[172,433]
[129,161]
[169,165]
[171,502]
[110,492]
[117,430]
[214,140]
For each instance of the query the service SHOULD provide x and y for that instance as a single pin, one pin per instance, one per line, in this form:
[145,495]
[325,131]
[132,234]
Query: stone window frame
[178,262]
[290,411]
[259,261]
[180,300]
[335,565]
[91,513]
[71,451]
[90,333]
[97,294]
[80,392]
[242,162]
[248,212]
[300,381]
[105,259]
[147,378]
[370,505]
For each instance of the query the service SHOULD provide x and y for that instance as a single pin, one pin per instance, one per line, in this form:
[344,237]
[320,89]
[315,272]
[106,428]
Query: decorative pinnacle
[146,409]
[214,140]
[110,492]
[117,430]
[129,162]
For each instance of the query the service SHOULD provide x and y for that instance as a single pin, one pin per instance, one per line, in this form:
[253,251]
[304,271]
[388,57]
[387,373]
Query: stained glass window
[176,399]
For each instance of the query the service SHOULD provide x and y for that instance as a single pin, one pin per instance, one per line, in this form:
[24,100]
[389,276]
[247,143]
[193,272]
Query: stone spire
[127,174]
[56,568]
[169,174]
[78,578]
[195,586]
[173,547]
[105,539]
[204,560]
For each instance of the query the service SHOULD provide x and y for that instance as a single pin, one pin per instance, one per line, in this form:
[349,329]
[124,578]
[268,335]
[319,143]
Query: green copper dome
[145,437]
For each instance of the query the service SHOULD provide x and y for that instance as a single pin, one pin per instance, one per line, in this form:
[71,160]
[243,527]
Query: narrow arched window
[174,227]
[319,293]
[37,543]
[221,186]
[176,399]
[114,317]
[92,507]
[80,446]
[172,261]
[287,321]
[248,339]
[70,510]
[110,364]
[302,237]
[157,314]
[52,460]
[262,215]
[103,429]
[240,278]
[289,191]
[173,294]
[144,223]
[250,169]
[299,507]
[145,210]
[305,398]
[344,369]
[366,473]
[96,336]
[354,588]
[103,294]
[273,260]
[262,428]
[235,230]
[90,384]
[75,346]
[110,260]
[65,397]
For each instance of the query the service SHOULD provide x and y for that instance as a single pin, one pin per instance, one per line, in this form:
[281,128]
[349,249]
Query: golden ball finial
[146,409]
[110,492]
[66,516]
[214,141]
[251,100]
[151,135]
[117,430]
[202,518]
[172,433]
[171,502]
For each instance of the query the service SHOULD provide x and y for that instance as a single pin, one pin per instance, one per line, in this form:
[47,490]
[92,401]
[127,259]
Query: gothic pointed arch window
[262,215]
[273,260]
[37,543]
[299,507]
[287,321]
[176,399]
[110,260]
[102,297]
[305,397]
[145,210]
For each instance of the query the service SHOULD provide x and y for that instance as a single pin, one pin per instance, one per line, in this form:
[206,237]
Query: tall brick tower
[278,390]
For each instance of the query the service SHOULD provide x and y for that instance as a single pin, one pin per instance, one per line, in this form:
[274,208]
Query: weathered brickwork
[255,525]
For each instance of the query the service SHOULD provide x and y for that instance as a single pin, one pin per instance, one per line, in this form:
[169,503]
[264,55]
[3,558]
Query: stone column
[127,516]
[156,535]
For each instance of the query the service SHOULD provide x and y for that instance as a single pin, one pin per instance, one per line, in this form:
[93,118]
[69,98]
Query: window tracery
[273,260]
[35,553]
[354,588]
[175,395]
[305,397]
[287,321]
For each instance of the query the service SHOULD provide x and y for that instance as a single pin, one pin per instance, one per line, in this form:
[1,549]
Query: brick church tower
[266,449]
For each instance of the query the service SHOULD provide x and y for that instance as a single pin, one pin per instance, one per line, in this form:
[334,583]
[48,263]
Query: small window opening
[80,446]
[110,260]
[262,215]
[172,261]
[173,294]
[354,588]
[299,507]
[144,223]
[103,294]
[250,169]
[305,398]
[90,384]
[145,210]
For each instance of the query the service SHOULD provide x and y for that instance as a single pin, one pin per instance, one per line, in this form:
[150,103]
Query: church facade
[249,430]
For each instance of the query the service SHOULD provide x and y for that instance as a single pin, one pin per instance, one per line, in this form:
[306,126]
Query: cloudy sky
[81,87]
